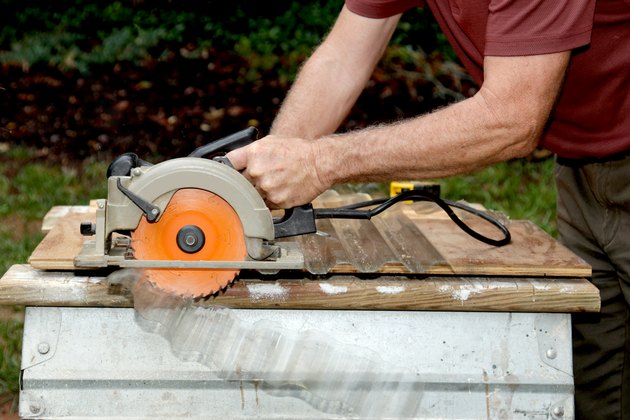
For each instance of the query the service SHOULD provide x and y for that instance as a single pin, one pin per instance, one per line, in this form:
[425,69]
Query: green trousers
[594,222]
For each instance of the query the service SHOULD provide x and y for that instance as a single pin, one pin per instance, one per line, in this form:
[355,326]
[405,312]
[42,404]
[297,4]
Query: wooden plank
[28,286]
[531,253]
[413,238]
[24,285]
[57,213]
[420,238]
[415,251]
[322,252]
[62,243]
[364,246]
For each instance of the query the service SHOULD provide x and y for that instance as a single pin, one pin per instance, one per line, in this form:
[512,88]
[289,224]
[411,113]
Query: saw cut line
[197,225]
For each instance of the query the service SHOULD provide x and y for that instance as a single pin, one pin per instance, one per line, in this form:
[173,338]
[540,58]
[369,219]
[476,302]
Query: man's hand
[283,170]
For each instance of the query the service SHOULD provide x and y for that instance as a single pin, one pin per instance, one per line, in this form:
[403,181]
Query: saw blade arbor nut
[190,239]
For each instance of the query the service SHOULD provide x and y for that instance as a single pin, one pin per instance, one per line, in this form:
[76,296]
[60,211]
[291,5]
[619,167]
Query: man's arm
[503,120]
[334,76]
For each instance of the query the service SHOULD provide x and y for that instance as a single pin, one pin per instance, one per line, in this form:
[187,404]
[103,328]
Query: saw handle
[123,164]
[297,220]
[227,144]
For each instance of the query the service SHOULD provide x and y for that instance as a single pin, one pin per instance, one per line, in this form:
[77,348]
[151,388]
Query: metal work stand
[98,362]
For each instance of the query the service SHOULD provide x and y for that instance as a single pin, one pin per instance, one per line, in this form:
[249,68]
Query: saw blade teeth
[197,225]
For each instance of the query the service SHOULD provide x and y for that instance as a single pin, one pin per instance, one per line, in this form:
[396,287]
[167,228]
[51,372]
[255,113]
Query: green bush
[81,34]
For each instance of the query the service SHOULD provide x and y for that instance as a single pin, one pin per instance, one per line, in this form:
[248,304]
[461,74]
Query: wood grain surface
[406,239]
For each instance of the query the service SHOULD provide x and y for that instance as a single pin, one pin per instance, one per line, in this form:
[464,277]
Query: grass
[10,352]
[29,187]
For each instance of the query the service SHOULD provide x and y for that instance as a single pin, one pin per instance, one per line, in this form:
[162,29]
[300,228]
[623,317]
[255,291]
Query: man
[556,71]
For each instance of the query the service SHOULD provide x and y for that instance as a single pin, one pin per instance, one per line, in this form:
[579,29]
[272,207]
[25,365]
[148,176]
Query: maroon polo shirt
[592,115]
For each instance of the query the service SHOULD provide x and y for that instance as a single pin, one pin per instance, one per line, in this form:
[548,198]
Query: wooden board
[24,285]
[62,243]
[409,238]
[58,212]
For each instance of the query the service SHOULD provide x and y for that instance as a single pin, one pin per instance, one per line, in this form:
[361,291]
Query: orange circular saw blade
[224,241]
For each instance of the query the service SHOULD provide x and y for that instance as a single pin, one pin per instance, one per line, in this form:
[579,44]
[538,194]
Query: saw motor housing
[154,187]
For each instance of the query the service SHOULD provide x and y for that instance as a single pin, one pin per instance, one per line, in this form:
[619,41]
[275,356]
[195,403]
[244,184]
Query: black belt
[589,160]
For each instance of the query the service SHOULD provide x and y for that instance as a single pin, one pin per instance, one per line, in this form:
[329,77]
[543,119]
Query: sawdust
[390,290]
[267,291]
[331,289]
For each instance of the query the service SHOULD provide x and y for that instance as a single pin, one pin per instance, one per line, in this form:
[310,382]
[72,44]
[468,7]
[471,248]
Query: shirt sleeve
[378,9]
[527,27]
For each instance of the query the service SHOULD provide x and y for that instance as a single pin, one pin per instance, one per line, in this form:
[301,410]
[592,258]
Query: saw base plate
[290,258]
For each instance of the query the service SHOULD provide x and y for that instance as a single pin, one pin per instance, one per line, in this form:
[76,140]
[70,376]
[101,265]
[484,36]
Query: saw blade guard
[157,184]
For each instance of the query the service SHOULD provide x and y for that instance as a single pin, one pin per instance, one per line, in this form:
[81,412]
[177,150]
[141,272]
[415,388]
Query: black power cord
[352,212]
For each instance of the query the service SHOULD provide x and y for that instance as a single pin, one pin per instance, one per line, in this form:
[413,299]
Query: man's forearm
[504,120]
[457,139]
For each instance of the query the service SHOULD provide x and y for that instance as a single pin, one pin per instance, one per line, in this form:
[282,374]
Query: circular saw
[190,223]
